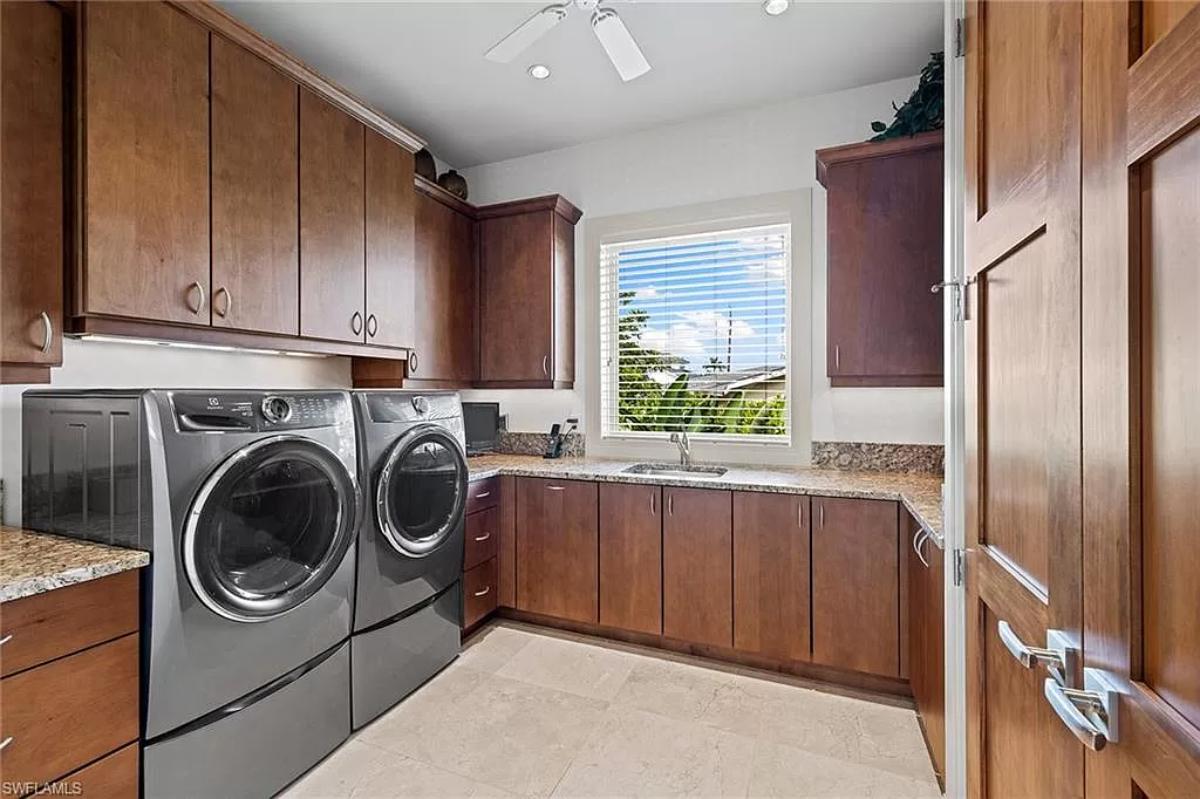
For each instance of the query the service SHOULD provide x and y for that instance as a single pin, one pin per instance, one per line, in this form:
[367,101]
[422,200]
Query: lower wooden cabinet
[926,640]
[698,565]
[856,585]
[557,548]
[631,551]
[479,593]
[771,599]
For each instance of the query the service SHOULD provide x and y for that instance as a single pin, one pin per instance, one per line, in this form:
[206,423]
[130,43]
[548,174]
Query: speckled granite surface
[865,456]
[513,443]
[921,494]
[33,563]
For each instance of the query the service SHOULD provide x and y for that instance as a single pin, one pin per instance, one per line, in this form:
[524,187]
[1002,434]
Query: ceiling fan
[614,37]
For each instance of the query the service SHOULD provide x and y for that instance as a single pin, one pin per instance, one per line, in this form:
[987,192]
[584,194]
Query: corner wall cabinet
[884,325]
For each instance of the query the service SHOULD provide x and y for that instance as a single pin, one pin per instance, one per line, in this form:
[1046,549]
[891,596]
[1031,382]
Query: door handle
[1059,656]
[228,302]
[47,332]
[1090,714]
[199,296]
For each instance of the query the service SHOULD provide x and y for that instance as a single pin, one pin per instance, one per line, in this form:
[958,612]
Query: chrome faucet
[685,447]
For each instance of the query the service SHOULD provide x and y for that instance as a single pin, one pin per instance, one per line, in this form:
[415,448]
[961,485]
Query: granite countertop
[33,563]
[921,494]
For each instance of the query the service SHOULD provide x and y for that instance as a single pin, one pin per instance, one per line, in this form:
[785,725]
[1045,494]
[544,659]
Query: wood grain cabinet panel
[255,197]
[479,592]
[391,243]
[557,555]
[113,776]
[856,585]
[771,600]
[332,222]
[698,566]
[483,537]
[146,163]
[926,639]
[526,303]
[31,196]
[884,326]
[631,557]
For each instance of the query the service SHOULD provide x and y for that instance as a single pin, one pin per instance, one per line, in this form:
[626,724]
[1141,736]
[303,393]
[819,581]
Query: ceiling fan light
[775,7]
[617,41]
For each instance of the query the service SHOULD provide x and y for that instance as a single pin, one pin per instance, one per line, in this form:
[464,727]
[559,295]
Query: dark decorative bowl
[454,183]
[425,165]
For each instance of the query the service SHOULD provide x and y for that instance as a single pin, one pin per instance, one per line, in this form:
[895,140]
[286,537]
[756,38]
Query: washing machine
[408,603]
[249,504]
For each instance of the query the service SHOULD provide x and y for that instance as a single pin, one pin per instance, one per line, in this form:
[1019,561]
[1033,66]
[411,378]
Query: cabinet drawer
[114,776]
[482,494]
[70,712]
[47,626]
[479,592]
[483,532]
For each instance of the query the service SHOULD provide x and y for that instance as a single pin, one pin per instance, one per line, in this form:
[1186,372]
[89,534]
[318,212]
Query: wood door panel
[926,642]
[516,253]
[113,776]
[631,557]
[557,548]
[1170,236]
[391,243]
[1159,17]
[444,339]
[146,163]
[698,566]
[255,197]
[771,592]
[332,222]
[31,218]
[856,575]
[506,557]
[563,349]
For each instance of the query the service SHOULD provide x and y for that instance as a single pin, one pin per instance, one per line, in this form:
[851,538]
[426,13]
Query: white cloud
[718,326]
[647,293]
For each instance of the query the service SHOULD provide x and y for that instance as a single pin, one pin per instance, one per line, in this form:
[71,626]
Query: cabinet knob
[47,336]
[412,362]
[199,289]
[372,325]
[356,323]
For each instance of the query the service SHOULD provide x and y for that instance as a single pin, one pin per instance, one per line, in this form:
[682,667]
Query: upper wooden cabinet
[31,195]
[557,548]
[145,163]
[255,198]
[391,270]
[698,566]
[527,293]
[332,222]
[855,576]
[884,326]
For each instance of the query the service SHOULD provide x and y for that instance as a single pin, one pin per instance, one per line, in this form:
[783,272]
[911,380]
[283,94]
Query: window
[694,335]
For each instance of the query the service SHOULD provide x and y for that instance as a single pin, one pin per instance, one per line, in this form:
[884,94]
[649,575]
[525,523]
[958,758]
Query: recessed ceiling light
[775,7]
[539,72]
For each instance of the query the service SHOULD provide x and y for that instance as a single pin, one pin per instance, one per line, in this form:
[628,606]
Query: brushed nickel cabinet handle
[199,296]
[837,358]
[6,639]
[372,325]
[555,488]
[484,592]
[821,513]
[412,362]
[4,744]
[918,543]
[483,537]
[47,332]
[800,515]
[483,495]
[356,323]
[670,504]
[546,365]
[228,305]
[653,503]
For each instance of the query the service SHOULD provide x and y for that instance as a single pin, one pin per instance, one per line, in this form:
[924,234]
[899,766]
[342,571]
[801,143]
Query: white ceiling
[423,65]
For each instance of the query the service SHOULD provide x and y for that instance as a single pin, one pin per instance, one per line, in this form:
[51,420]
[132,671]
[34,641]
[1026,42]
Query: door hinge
[960,37]
[960,567]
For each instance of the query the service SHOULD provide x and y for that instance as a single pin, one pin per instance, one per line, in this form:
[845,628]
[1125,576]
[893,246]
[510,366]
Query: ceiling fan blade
[526,34]
[617,41]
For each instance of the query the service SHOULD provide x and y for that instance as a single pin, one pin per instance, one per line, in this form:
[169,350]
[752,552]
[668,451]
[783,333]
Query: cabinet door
[31,214]
[332,259]
[516,268]
[771,575]
[445,295]
[146,165]
[391,202]
[255,203]
[926,641]
[855,585]
[698,566]
[557,569]
[631,557]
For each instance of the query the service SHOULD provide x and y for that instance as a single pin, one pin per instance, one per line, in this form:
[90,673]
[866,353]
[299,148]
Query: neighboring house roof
[737,380]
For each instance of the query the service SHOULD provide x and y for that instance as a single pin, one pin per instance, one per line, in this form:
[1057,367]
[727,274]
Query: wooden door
[31,159]
[1023,438]
[332,222]
[557,569]
[391,217]
[1141,380]
[926,639]
[255,200]
[856,576]
[771,596]
[444,343]
[698,566]
[516,282]
[145,163]
[631,557]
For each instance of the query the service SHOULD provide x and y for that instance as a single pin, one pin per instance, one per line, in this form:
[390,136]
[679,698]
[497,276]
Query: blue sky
[703,295]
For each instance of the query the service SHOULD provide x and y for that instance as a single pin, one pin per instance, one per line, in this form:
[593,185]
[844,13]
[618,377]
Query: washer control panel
[231,412]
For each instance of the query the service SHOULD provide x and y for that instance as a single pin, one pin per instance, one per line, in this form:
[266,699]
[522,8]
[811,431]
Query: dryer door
[421,493]
[269,527]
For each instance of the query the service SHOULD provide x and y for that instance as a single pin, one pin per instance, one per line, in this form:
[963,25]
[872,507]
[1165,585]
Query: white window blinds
[694,335]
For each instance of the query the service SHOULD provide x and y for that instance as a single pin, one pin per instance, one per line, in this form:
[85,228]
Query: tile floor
[529,712]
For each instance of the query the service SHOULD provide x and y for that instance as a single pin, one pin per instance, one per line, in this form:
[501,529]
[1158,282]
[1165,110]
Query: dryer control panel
[257,412]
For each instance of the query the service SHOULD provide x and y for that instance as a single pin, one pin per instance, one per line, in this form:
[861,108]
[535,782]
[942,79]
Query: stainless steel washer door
[269,527]
[421,493]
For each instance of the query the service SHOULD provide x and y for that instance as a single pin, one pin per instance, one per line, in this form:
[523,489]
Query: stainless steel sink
[676,470]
